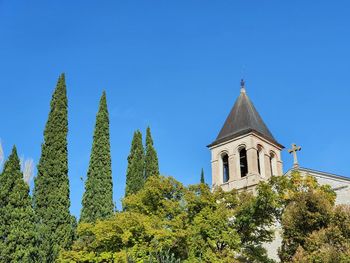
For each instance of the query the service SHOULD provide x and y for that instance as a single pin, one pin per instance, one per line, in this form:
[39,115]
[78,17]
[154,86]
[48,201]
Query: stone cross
[294,150]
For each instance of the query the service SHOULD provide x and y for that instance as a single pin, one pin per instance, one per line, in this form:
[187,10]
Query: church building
[245,153]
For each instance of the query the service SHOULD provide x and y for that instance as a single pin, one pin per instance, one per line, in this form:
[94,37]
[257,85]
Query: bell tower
[245,151]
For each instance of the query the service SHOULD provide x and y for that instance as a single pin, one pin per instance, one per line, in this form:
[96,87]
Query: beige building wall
[340,184]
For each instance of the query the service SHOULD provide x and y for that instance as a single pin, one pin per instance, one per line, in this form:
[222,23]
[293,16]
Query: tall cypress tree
[51,191]
[18,237]
[202,177]
[135,171]
[151,158]
[98,197]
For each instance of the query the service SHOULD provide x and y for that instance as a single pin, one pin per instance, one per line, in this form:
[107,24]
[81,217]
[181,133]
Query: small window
[225,168]
[243,162]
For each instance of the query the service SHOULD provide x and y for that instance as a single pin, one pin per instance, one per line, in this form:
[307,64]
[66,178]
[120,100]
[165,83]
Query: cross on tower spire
[294,150]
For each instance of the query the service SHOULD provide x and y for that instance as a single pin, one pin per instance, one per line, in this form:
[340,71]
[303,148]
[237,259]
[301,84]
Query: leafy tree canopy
[330,243]
[313,228]
[192,223]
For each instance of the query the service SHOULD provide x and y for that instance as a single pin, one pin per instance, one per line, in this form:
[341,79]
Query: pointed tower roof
[243,119]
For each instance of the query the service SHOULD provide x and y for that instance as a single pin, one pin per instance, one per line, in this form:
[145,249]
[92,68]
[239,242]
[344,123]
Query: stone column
[267,166]
[234,176]
[252,158]
[279,167]
[215,173]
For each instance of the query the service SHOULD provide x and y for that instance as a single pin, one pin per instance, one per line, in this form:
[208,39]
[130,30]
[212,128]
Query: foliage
[255,221]
[163,257]
[308,217]
[212,232]
[192,224]
[51,190]
[287,189]
[1,155]
[329,244]
[202,181]
[307,213]
[307,209]
[135,171]
[18,237]
[151,158]
[98,197]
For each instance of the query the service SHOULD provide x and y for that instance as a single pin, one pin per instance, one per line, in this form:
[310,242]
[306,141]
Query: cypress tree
[51,190]
[202,177]
[98,197]
[151,158]
[18,237]
[135,171]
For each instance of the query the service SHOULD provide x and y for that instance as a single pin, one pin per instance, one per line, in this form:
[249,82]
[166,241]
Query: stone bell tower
[245,152]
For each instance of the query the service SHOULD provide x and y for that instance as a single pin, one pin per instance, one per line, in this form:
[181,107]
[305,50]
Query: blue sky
[176,66]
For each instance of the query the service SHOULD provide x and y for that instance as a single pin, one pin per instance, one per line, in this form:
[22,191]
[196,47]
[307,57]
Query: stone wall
[251,142]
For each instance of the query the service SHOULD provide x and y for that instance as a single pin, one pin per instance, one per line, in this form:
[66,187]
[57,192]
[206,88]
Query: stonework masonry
[257,148]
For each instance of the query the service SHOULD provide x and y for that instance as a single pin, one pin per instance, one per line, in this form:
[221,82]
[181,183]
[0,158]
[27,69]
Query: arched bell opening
[243,162]
[225,168]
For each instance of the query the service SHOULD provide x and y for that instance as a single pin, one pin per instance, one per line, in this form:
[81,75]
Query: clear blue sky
[176,66]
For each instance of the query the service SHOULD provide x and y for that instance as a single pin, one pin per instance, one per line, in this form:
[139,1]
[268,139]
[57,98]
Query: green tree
[98,197]
[254,221]
[202,177]
[135,172]
[151,158]
[191,224]
[328,244]
[18,237]
[211,232]
[303,207]
[152,223]
[308,213]
[51,190]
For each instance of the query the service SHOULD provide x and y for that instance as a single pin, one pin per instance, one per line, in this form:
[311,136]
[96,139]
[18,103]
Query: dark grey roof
[243,119]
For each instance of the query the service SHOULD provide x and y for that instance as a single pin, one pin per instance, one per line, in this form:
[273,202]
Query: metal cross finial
[242,85]
[294,150]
